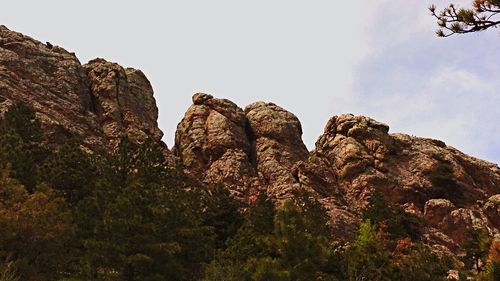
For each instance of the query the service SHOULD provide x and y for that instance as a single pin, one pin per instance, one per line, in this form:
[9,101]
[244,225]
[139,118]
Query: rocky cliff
[258,148]
[98,101]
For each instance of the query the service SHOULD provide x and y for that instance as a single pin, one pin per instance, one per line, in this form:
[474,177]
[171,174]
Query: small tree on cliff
[483,15]
[476,247]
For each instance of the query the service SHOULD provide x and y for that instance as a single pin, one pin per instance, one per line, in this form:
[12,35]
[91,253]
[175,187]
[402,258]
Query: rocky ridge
[258,148]
[98,101]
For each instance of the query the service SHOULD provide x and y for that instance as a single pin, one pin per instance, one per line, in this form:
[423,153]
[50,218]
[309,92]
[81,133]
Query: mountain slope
[258,148]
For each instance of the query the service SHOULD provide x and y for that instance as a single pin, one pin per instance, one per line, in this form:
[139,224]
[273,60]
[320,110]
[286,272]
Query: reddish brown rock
[436,209]
[52,80]
[355,148]
[97,102]
[421,175]
[459,221]
[492,210]
[211,142]
[276,137]
[123,101]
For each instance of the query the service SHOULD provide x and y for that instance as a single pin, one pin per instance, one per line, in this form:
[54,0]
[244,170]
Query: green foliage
[392,219]
[225,269]
[8,272]
[267,268]
[452,20]
[315,216]
[70,215]
[302,251]
[151,227]
[251,238]
[420,263]
[21,118]
[260,217]
[132,160]
[70,171]
[222,214]
[152,232]
[491,270]
[368,258]
[291,243]
[20,144]
[491,273]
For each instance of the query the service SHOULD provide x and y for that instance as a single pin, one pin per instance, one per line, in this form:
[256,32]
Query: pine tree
[483,15]
[151,225]
[21,144]
[300,250]
[70,171]
[222,213]
[368,258]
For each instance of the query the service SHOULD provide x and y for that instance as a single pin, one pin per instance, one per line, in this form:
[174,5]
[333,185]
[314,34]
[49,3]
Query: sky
[315,58]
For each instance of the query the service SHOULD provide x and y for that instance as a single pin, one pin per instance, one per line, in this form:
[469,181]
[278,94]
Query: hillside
[259,149]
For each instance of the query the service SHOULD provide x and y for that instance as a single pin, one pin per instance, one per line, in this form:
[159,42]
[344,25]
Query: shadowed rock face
[258,149]
[98,101]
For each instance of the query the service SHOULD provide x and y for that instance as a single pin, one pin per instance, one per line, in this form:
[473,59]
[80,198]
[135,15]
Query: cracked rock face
[276,137]
[211,142]
[250,151]
[98,102]
[123,101]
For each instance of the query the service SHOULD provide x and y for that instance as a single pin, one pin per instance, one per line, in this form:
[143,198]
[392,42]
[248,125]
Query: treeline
[70,214]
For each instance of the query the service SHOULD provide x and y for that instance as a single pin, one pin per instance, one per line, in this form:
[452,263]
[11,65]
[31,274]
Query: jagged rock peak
[277,142]
[211,142]
[98,101]
[123,100]
[248,150]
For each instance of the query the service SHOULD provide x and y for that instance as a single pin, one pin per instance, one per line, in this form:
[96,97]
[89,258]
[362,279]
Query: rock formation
[98,101]
[259,148]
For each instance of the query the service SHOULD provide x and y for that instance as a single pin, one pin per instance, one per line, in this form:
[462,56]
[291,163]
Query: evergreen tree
[291,243]
[267,268]
[21,144]
[483,15]
[390,218]
[301,251]
[21,118]
[151,225]
[250,239]
[368,258]
[70,171]
[222,213]
[417,262]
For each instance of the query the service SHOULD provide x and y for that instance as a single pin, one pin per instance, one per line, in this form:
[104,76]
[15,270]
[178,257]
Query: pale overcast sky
[314,58]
